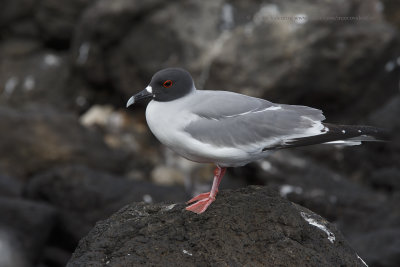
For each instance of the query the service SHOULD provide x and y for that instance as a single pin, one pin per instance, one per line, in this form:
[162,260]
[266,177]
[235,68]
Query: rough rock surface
[25,227]
[251,226]
[83,196]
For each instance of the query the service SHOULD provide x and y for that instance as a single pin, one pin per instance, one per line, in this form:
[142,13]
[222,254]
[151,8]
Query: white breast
[167,120]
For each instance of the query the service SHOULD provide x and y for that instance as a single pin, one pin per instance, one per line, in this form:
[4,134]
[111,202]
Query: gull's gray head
[166,85]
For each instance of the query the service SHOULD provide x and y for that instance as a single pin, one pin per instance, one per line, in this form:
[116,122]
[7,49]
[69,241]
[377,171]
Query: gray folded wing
[228,119]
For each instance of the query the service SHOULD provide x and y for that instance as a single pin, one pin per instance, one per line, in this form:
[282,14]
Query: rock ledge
[252,226]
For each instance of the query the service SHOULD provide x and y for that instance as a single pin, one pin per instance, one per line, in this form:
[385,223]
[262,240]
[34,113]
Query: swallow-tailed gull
[230,129]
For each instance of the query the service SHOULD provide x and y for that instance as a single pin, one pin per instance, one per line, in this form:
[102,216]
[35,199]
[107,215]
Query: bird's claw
[200,197]
[201,205]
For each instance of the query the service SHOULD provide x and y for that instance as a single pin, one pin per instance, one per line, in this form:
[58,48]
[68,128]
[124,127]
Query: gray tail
[339,134]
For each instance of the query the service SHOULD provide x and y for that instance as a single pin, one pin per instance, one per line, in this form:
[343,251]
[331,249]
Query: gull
[230,129]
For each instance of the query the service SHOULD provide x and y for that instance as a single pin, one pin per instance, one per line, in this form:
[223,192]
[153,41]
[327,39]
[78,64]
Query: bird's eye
[167,84]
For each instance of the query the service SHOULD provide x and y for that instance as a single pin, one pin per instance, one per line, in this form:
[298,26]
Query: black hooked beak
[146,93]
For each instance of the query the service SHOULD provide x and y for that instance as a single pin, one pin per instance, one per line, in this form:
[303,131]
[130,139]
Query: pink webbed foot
[204,200]
[199,197]
[201,205]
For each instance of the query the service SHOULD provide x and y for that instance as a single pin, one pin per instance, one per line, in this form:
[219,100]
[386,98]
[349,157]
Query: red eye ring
[167,83]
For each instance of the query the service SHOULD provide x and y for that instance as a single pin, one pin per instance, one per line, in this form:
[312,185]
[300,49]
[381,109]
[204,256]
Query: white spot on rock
[344,131]
[187,252]
[51,60]
[390,66]
[227,17]
[359,131]
[266,165]
[10,85]
[147,198]
[363,262]
[83,53]
[287,189]
[29,83]
[307,218]
[169,207]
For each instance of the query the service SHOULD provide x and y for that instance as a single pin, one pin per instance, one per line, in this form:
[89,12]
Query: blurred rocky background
[71,154]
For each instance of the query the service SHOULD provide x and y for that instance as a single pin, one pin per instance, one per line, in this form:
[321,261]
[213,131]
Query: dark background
[71,154]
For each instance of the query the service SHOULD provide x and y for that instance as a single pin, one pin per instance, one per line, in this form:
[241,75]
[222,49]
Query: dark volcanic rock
[46,137]
[25,227]
[319,188]
[391,11]
[32,74]
[57,22]
[84,196]
[252,226]
[355,208]
[109,43]
[370,248]
[10,187]
[14,9]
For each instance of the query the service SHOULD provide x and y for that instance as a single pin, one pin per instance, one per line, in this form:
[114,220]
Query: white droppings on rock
[307,218]
[266,165]
[359,131]
[390,66]
[363,262]
[51,60]
[83,53]
[29,83]
[228,21]
[147,199]
[287,189]
[10,85]
[187,252]
[344,131]
[169,207]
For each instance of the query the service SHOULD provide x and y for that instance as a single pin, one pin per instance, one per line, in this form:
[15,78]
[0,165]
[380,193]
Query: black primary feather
[353,133]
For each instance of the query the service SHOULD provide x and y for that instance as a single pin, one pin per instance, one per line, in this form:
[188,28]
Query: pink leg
[204,200]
